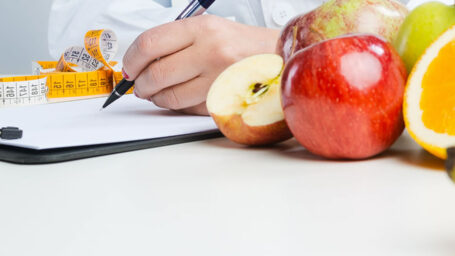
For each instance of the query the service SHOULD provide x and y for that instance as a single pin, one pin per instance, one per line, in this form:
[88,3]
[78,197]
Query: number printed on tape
[81,71]
[25,90]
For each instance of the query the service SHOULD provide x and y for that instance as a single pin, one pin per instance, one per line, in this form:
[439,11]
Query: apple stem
[450,163]
[295,30]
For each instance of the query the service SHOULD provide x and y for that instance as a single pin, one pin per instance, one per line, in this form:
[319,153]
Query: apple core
[244,101]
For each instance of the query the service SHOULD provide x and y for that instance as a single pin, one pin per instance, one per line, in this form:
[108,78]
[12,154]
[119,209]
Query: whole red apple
[339,17]
[342,98]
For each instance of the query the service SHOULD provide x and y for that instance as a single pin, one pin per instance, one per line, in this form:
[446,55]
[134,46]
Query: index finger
[155,43]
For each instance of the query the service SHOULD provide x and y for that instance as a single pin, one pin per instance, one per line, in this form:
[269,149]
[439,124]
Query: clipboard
[18,155]
[75,130]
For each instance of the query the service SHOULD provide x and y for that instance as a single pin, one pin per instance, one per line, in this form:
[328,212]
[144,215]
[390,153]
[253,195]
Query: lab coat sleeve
[71,19]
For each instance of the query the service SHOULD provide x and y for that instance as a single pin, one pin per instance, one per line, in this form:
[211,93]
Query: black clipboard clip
[10,133]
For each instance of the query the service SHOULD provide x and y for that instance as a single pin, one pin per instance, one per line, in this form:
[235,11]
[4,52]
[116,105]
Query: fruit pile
[346,79]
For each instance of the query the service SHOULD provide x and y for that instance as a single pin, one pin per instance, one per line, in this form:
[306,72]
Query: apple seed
[258,87]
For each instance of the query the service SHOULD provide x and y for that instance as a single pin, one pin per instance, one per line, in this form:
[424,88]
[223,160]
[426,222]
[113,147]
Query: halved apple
[245,101]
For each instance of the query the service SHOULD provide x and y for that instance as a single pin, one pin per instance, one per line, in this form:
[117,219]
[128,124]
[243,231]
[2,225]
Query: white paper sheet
[80,123]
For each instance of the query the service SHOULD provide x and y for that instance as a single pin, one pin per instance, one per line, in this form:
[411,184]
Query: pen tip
[101,109]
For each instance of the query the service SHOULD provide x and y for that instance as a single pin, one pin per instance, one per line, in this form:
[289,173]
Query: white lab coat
[71,19]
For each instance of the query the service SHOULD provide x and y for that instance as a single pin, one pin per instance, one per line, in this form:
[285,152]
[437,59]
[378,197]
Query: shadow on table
[418,158]
[404,150]
[289,149]
[409,152]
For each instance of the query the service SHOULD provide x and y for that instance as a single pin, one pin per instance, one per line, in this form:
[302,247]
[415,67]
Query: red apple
[342,98]
[339,17]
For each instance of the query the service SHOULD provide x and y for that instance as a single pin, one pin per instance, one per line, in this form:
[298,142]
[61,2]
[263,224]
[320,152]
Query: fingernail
[125,75]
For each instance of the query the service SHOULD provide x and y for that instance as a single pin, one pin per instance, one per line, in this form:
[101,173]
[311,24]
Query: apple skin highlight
[336,106]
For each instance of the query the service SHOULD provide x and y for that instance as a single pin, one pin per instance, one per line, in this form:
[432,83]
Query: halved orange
[429,101]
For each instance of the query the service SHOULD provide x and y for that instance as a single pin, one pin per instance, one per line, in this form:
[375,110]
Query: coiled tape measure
[81,71]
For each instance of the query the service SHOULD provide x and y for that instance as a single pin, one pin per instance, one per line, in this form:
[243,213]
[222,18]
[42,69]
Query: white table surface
[216,198]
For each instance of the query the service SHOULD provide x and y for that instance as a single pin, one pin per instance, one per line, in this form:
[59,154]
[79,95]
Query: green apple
[420,28]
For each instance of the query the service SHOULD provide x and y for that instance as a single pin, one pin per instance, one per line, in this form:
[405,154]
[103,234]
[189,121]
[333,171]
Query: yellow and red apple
[339,17]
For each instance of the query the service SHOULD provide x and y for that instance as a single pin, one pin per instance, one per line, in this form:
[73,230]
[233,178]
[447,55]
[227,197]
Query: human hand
[174,65]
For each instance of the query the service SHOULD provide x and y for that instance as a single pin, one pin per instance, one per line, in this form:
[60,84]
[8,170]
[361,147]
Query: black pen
[195,8]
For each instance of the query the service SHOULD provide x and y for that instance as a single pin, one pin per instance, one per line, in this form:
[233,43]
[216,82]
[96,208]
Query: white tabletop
[216,198]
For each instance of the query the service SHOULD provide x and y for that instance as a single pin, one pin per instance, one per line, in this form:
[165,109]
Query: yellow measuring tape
[15,91]
[81,71]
